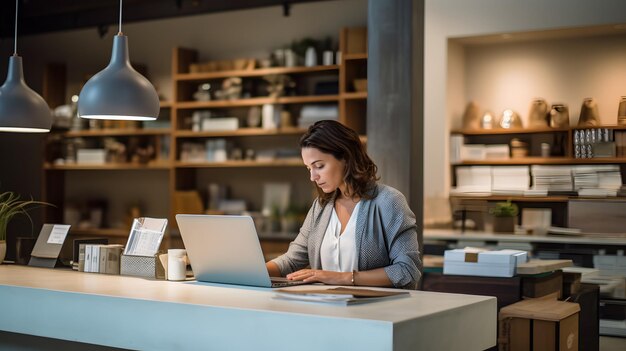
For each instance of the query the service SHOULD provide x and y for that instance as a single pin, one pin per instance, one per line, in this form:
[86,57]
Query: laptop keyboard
[281,283]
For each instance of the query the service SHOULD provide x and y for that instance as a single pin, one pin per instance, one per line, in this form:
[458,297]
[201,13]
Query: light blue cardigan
[386,236]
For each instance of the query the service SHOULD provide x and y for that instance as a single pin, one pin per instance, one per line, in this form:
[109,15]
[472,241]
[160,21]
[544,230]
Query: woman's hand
[320,276]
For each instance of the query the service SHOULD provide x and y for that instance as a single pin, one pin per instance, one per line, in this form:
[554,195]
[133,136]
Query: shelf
[355,95]
[545,161]
[115,132]
[253,73]
[509,131]
[256,101]
[358,56]
[108,166]
[122,232]
[521,198]
[241,164]
[515,198]
[590,239]
[165,104]
[240,132]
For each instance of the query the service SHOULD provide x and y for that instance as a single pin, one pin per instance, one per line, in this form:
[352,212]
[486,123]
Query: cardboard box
[539,324]
[499,263]
[543,284]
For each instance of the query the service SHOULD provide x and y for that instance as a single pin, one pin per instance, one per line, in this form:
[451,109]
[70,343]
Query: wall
[446,19]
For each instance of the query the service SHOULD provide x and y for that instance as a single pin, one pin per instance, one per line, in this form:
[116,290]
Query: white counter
[137,313]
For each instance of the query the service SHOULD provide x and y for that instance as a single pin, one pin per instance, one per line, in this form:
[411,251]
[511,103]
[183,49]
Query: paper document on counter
[145,236]
[58,234]
[340,296]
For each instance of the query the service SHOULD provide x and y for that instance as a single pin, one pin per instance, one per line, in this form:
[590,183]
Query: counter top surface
[453,234]
[150,314]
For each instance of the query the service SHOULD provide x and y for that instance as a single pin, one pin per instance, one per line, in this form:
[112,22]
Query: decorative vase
[504,224]
[3,250]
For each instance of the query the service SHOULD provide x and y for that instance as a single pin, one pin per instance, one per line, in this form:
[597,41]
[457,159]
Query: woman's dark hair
[343,143]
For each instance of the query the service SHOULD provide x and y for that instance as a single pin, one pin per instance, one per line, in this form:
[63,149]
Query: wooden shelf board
[354,95]
[509,131]
[108,166]
[545,161]
[165,104]
[114,132]
[357,56]
[256,101]
[122,232]
[241,164]
[240,132]
[253,72]
[515,198]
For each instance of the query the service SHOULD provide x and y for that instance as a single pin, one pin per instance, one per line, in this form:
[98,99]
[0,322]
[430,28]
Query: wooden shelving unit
[247,176]
[562,138]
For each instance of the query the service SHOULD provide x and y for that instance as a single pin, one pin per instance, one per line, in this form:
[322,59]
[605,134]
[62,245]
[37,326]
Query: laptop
[226,249]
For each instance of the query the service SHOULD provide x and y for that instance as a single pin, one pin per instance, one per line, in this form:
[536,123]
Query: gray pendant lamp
[118,91]
[22,110]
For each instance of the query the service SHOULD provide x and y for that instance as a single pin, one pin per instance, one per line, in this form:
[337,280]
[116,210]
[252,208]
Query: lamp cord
[120,25]
[15,39]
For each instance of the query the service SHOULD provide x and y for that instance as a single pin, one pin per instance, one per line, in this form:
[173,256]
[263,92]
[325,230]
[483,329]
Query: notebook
[226,249]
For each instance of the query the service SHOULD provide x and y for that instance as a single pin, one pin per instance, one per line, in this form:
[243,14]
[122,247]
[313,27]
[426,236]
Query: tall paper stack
[510,180]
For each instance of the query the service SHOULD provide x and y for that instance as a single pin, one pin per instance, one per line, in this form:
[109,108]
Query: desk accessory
[140,257]
[48,245]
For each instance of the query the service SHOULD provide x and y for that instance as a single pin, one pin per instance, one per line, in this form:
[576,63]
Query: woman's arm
[272,269]
[374,277]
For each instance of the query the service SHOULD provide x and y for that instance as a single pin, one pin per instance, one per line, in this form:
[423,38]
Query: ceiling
[43,16]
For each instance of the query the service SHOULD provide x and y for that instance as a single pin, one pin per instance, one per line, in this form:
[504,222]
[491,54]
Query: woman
[357,232]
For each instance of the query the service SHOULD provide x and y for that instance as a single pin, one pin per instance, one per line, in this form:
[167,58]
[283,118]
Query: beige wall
[448,19]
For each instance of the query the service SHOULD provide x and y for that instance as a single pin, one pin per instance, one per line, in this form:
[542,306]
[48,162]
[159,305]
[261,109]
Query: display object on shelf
[559,116]
[510,119]
[538,114]
[589,113]
[621,111]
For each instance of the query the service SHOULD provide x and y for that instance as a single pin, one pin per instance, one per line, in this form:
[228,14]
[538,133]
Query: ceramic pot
[559,116]
[471,116]
[621,112]
[538,114]
[504,224]
[3,250]
[589,114]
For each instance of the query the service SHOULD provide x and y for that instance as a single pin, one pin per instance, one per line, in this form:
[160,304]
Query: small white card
[58,233]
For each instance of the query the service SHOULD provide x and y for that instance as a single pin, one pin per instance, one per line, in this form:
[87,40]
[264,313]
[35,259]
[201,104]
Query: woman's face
[326,171]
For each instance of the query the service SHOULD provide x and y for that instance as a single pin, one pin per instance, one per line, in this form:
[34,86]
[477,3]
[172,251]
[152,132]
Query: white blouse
[338,251]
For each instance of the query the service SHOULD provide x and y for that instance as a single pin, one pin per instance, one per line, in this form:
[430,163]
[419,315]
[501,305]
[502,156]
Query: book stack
[338,296]
[313,113]
[597,180]
[99,258]
[552,178]
[620,143]
[510,180]
[473,180]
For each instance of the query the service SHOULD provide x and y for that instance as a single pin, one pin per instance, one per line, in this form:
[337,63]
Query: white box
[91,156]
[473,152]
[499,263]
[227,123]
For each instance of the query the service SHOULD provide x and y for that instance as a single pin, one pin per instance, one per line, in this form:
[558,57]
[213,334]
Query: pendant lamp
[22,110]
[119,92]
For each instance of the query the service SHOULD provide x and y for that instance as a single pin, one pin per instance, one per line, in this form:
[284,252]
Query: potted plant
[505,215]
[11,205]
